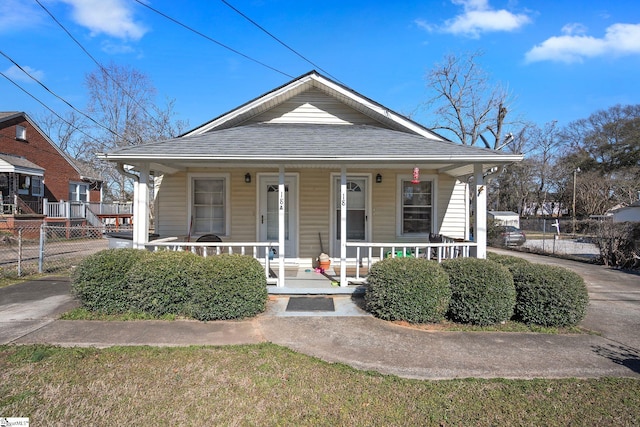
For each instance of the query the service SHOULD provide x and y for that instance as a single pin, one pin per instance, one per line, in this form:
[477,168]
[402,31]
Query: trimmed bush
[482,291]
[100,282]
[412,289]
[506,260]
[230,287]
[549,295]
[164,282]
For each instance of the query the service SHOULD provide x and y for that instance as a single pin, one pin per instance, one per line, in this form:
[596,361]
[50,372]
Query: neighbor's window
[78,192]
[417,207]
[37,186]
[209,210]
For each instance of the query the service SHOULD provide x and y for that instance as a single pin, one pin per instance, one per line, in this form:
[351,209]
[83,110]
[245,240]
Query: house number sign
[281,202]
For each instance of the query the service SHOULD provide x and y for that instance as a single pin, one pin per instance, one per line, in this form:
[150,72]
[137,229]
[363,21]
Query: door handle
[261,219]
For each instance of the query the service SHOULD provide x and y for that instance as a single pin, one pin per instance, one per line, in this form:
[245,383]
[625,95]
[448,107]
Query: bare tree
[466,103]
[66,131]
[122,99]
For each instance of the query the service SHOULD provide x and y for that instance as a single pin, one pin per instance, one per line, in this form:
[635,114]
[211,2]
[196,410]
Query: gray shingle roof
[304,141]
[20,162]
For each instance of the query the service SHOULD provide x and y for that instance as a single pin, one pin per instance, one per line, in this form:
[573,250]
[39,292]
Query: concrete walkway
[351,336]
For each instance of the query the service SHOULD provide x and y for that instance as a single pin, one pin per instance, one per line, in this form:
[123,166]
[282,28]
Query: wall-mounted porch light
[378,179]
[247,178]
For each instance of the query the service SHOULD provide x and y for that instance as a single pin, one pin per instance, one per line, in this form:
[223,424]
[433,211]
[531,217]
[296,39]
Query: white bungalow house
[312,167]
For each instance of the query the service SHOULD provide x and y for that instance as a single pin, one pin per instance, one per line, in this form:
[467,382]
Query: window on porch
[416,210]
[209,206]
[37,186]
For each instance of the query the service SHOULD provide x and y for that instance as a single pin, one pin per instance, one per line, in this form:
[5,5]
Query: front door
[357,213]
[268,219]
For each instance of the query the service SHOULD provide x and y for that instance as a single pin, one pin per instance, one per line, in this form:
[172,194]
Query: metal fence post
[19,252]
[41,253]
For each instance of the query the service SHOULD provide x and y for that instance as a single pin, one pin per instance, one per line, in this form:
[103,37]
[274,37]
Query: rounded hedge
[506,260]
[412,289]
[231,287]
[482,291]
[164,282]
[118,281]
[101,282]
[549,295]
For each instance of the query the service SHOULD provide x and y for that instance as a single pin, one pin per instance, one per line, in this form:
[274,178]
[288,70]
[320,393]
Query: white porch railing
[85,210]
[366,254]
[262,251]
[369,253]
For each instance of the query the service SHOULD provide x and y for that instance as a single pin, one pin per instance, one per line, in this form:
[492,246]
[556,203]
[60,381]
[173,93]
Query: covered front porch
[290,261]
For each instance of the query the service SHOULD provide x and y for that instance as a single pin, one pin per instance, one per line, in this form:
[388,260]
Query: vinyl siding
[313,106]
[314,203]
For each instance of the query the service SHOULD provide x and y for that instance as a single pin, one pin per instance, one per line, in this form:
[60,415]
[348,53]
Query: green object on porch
[400,254]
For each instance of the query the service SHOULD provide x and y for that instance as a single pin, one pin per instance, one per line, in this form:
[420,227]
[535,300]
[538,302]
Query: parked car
[512,236]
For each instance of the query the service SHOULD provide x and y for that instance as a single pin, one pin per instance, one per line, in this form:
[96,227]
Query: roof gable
[273,105]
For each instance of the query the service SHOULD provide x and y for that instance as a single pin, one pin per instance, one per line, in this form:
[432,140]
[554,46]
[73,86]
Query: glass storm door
[357,215]
[269,215]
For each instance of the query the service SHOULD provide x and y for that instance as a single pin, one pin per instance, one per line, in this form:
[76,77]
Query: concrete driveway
[28,306]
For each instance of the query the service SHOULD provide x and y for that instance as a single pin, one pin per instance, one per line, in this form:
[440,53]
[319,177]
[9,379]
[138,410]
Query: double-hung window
[78,192]
[209,198]
[37,186]
[416,208]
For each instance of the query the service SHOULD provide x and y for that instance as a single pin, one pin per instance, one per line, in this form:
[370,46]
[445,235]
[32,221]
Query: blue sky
[561,60]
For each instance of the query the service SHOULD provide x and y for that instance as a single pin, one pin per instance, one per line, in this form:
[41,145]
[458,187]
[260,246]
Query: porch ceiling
[310,146]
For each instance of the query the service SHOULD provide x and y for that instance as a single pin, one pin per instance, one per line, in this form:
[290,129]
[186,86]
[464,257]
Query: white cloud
[111,17]
[17,14]
[15,73]
[619,40]
[478,17]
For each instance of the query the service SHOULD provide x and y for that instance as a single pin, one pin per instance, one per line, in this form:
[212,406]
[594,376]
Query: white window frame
[227,198]
[39,187]
[399,204]
[77,192]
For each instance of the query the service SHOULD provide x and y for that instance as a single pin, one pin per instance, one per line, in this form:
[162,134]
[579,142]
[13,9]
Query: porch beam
[343,226]
[141,208]
[281,224]
[480,210]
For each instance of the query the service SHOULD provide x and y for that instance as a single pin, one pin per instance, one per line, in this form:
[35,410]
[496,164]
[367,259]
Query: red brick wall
[36,148]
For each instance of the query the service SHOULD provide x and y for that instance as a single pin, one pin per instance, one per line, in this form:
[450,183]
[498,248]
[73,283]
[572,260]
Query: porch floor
[306,281]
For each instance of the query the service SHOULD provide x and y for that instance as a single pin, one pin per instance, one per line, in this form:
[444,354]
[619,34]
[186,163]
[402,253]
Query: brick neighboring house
[35,173]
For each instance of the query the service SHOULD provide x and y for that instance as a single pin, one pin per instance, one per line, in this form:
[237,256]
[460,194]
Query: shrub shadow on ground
[621,355]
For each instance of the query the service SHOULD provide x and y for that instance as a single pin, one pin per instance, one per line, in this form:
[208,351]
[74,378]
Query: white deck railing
[366,254]
[369,253]
[262,251]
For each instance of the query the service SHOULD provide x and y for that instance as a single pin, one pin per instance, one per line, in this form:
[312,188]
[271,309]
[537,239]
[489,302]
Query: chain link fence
[47,249]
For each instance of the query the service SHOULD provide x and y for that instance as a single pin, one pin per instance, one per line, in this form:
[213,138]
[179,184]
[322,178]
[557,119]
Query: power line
[104,70]
[59,97]
[278,40]
[211,39]
[47,107]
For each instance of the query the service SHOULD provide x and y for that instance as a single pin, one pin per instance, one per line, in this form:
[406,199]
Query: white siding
[313,106]
[453,207]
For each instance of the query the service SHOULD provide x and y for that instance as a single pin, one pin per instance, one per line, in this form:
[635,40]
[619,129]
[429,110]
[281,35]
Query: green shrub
[482,291]
[506,260]
[164,282]
[412,289]
[100,281]
[231,287]
[549,295]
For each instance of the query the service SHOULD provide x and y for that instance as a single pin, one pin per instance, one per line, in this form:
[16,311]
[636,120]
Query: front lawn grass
[269,385]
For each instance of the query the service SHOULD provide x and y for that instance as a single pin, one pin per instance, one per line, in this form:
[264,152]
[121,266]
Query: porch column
[141,208]
[281,225]
[480,209]
[343,226]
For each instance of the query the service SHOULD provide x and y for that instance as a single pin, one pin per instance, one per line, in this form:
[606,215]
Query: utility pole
[575,173]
